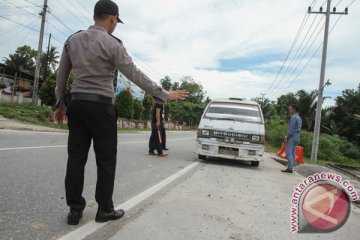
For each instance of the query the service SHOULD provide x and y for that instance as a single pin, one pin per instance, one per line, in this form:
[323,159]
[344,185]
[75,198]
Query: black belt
[91,98]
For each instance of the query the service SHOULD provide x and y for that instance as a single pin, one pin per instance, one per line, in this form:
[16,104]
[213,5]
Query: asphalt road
[32,170]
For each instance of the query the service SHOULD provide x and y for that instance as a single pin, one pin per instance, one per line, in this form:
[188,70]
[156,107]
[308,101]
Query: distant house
[25,78]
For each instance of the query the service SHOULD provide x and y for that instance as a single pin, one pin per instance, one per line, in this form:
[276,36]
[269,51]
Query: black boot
[106,215]
[74,217]
[287,170]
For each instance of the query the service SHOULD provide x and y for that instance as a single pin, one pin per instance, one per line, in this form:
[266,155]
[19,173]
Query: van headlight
[205,132]
[255,138]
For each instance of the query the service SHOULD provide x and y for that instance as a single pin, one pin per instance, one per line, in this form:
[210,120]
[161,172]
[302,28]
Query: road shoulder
[225,200]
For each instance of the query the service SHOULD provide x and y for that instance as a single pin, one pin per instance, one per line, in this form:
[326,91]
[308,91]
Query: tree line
[341,120]
[186,112]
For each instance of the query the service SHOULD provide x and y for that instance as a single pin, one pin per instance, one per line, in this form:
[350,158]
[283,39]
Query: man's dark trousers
[163,135]
[154,142]
[97,121]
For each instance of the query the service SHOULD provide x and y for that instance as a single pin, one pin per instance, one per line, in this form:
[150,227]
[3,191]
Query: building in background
[123,83]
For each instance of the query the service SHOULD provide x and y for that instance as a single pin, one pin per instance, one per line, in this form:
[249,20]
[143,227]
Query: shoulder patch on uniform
[74,34]
[116,39]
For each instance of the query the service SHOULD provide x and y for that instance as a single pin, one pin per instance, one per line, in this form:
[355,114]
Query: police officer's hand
[59,115]
[178,95]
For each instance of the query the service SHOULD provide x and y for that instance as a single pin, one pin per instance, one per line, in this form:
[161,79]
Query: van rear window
[223,110]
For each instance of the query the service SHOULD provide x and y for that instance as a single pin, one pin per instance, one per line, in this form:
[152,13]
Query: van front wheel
[255,163]
[202,157]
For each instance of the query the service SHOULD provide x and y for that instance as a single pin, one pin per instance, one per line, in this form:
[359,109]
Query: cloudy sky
[235,48]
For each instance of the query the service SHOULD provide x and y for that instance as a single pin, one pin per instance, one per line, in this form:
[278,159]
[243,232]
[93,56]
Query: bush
[138,109]
[275,132]
[47,92]
[148,103]
[331,148]
[124,103]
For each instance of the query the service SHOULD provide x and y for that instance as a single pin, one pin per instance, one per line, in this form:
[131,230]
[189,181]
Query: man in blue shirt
[293,137]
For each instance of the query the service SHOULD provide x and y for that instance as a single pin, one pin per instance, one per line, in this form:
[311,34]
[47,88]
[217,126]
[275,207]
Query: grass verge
[272,149]
[30,113]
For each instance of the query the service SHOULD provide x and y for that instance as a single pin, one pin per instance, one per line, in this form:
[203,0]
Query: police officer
[92,56]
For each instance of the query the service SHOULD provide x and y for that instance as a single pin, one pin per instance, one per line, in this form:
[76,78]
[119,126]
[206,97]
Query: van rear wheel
[202,157]
[255,163]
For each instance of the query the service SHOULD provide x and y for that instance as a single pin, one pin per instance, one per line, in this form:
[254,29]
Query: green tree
[125,104]
[148,103]
[138,109]
[307,102]
[346,114]
[47,91]
[196,90]
[166,83]
[49,61]
[183,112]
[283,102]
[266,106]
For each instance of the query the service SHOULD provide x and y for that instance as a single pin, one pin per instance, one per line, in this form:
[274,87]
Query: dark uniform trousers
[154,141]
[91,121]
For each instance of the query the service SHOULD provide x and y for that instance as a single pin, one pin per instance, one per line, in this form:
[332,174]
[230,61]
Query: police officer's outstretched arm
[124,63]
[61,82]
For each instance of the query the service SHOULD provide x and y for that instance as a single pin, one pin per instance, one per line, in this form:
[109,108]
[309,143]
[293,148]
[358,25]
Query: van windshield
[233,111]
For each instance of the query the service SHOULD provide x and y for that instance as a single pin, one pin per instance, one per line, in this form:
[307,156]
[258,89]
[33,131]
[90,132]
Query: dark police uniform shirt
[92,56]
[157,105]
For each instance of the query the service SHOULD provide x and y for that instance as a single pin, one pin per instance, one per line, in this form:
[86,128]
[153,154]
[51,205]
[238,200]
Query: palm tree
[49,62]
[53,57]
[307,102]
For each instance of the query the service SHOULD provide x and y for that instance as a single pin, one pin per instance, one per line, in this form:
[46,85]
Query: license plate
[229,151]
[252,152]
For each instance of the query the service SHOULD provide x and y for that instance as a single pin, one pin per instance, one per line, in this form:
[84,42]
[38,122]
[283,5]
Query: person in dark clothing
[163,132]
[93,55]
[155,141]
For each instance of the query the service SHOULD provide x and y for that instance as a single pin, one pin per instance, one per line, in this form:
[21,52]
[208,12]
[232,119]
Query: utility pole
[38,60]
[262,97]
[316,135]
[47,59]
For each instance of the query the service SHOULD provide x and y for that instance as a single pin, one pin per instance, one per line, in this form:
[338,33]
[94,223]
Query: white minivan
[232,128]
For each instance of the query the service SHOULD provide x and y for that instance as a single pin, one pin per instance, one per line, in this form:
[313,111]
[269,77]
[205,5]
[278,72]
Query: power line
[338,3]
[300,62]
[76,17]
[21,8]
[16,33]
[19,24]
[86,11]
[297,62]
[33,3]
[351,3]
[307,63]
[303,23]
[60,21]
[294,58]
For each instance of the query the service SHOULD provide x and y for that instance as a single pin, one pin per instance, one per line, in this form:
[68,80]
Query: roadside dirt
[11,124]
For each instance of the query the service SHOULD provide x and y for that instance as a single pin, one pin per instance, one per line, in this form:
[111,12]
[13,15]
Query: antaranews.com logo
[321,203]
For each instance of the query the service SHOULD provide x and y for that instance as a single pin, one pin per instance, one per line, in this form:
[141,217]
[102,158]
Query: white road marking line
[26,148]
[91,227]
[62,146]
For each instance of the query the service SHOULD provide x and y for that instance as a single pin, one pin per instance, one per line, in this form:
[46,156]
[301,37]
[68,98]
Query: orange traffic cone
[282,153]
[299,152]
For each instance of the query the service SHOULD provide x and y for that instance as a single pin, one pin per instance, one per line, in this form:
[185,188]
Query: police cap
[107,7]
